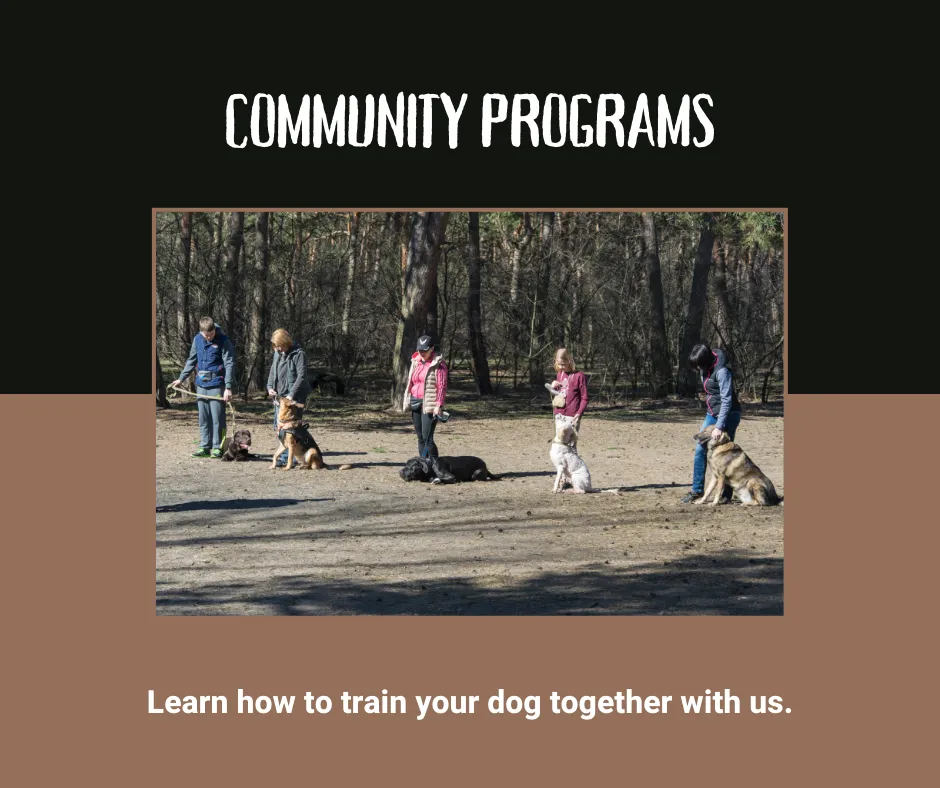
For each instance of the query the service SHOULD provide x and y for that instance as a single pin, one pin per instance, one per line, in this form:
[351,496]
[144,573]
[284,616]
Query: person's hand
[272,393]
[436,411]
[174,383]
[227,395]
[716,434]
[576,422]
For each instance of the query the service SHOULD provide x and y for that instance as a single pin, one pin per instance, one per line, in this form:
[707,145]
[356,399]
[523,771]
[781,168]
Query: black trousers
[424,428]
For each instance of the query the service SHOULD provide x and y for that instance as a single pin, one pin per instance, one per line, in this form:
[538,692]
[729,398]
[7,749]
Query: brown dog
[237,450]
[729,464]
[294,437]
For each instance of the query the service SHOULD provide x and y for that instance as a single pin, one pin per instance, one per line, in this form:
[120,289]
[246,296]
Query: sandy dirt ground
[243,539]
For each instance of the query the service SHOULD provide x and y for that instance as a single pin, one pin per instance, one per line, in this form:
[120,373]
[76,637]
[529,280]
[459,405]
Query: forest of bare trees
[628,293]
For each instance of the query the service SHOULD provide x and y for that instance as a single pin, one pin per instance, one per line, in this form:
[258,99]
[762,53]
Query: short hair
[206,324]
[567,363]
[281,338]
[701,357]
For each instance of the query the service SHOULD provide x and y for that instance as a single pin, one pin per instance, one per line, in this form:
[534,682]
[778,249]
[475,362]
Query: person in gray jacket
[212,357]
[288,375]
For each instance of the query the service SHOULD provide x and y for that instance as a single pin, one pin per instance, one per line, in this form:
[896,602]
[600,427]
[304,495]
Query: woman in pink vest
[425,393]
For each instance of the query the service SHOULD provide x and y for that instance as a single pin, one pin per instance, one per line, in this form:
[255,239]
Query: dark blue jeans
[282,460]
[424,424]
[701,455]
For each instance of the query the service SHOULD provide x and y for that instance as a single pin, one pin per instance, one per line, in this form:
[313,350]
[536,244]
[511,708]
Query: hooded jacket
[435,383]
[288,375]
[719,388]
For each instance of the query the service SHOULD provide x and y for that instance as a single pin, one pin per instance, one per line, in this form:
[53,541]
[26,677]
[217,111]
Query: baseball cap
[425,343]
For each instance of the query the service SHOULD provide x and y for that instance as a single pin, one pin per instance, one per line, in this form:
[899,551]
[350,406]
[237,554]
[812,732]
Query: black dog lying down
[237,450]
[446,470]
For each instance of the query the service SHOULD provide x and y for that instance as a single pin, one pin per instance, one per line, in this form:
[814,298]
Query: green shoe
[201,453]
[216,453]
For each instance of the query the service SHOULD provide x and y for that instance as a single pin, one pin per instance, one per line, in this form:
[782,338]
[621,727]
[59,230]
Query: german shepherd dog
[294,437]
[237,450]
[730,465]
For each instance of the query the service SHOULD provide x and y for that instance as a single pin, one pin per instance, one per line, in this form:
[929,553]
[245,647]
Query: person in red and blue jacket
[724,410]
[425,393]
[213,359]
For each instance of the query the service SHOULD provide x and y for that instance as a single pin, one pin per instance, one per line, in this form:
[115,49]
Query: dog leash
[426,454]
[207,396]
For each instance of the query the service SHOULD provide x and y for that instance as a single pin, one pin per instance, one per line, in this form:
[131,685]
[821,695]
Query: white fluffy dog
[570,466]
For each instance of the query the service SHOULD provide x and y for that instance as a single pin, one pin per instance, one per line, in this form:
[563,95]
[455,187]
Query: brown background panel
[86,644]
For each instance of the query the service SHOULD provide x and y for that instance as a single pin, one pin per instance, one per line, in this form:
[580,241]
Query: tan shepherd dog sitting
[294,437]
[729,464]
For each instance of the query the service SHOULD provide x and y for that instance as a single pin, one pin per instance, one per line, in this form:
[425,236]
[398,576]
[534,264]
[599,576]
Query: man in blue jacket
[213,358]
[724,410]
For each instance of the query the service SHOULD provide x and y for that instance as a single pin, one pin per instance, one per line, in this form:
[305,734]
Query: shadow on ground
[237,503]
[726,583]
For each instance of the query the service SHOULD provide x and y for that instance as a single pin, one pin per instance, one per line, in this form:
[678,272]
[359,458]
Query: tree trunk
[419,292]
[575,317]
[182,286]
[521,238]
[290,285]
[540,307]
[692,331]
[351,254]
[567,296]
[659,361]
[441,303]
[216,276]
[479,365]
[161,388]
[259,305]
[233,245]
[724,303]
[403,225]
[376,264]
[430,307]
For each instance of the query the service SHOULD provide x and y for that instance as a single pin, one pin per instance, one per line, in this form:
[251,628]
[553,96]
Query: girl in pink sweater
[572,385]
